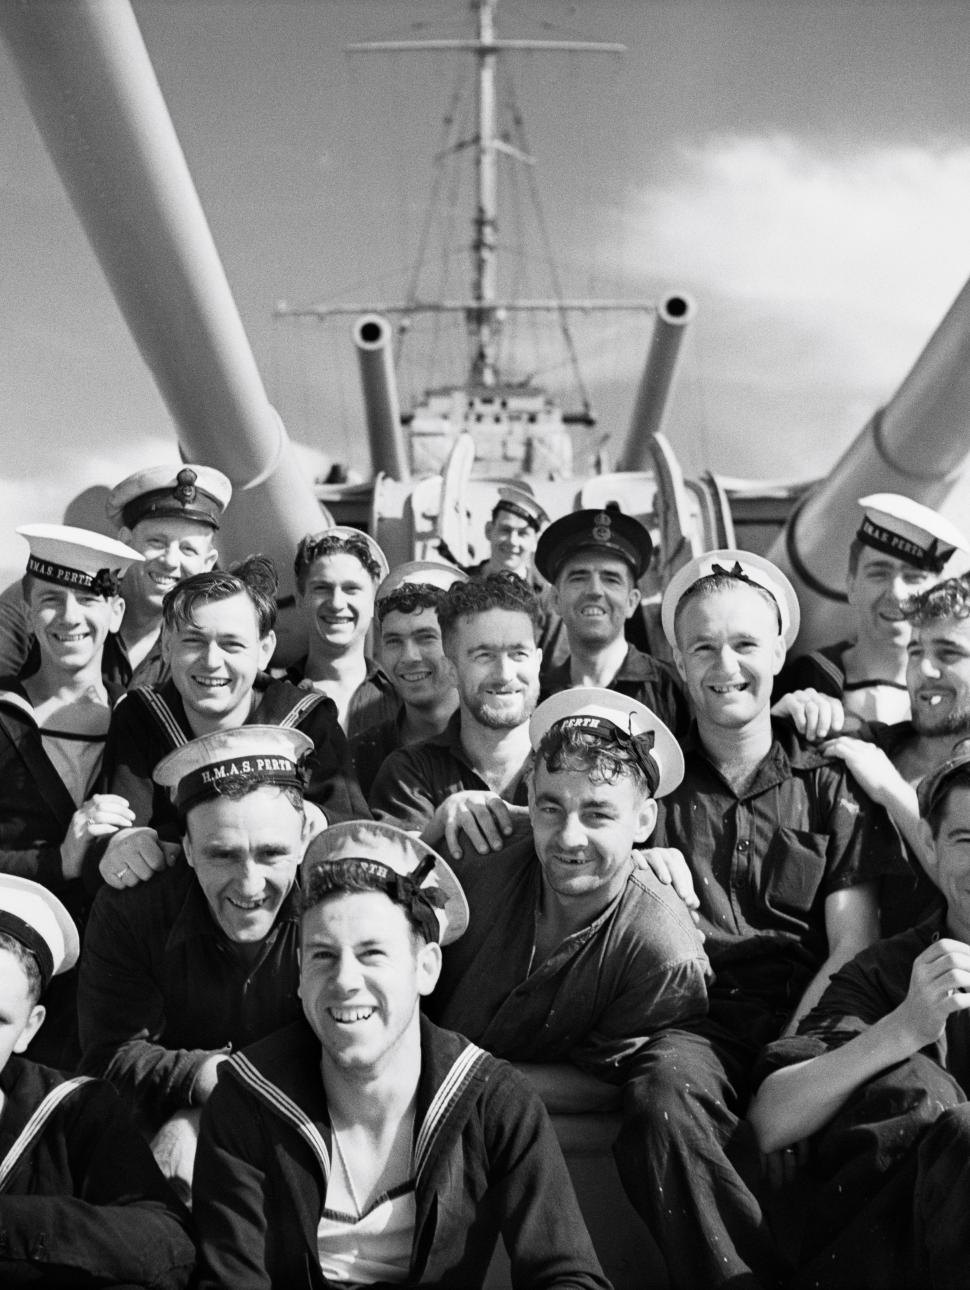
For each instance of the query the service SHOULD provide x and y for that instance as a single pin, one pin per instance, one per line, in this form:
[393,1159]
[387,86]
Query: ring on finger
[120,873]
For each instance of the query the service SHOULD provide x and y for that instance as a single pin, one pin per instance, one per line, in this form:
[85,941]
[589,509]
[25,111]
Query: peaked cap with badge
[410,871]
[594,530]
[617,719]
[746,567]
[77,558]
[203,768]
[908,531]
[182,492]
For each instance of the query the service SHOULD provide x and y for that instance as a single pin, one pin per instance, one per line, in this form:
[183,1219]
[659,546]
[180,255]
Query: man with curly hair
[337,575]
[471,778]
[892,761]
[411,655]
[218,637]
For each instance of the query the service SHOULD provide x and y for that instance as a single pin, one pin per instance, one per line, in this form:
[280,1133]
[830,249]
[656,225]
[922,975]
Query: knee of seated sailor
[666,1094]
[917,1090]
[949,1134]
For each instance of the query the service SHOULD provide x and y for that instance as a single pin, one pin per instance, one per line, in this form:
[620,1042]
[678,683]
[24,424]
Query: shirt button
[743,844]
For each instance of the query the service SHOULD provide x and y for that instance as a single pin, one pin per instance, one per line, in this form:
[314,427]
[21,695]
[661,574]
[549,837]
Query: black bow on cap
[105,583]
[638,748]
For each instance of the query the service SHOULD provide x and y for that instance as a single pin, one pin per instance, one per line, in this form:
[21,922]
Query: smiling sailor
[82,1200]
[786,852]
[53,724]
[362,1144]
[203,958]
[594,560]
[901,548]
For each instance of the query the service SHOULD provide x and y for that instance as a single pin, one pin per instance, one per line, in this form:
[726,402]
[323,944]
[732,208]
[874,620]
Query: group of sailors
[296,962]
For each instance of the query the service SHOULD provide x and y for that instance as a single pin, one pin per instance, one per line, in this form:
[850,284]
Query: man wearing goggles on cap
[362,1144]
[877,1079]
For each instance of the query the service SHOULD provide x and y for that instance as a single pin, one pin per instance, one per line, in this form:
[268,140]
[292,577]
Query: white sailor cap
[205,767]
[77,558]
[908,531]
[622,720]
[415,876]
[426,573]
[307,551]
[36,918]
[746,567]
[520,501]
[180,491]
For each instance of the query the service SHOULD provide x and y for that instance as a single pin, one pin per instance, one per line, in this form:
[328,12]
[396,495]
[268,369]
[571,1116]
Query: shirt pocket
[794,870]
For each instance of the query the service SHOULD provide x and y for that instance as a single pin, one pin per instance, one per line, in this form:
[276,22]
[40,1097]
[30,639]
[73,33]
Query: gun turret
[94,96]
[916,445]
[673,314]
[372,337]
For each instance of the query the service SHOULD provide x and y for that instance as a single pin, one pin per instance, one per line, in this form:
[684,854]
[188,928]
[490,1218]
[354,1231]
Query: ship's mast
[485,244]
[484,312]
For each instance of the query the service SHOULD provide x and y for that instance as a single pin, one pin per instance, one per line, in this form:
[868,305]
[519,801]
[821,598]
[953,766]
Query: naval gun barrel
[97,103]
[372,337]
[916,445]
[673,314]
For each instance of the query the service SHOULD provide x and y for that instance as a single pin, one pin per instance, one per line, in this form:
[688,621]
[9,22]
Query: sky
[800,167]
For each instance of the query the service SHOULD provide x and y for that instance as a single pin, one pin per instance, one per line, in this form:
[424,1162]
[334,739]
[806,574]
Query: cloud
[779,223]
[819,274]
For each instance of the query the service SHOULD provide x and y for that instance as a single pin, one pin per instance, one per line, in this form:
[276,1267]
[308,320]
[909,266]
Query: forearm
[902,807]
[797,1101]
[816,987]
[566,1090]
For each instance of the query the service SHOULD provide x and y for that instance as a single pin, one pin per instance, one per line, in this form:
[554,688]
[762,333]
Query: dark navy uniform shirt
[414,781]
[597,1000]
[641,677]
[765,861]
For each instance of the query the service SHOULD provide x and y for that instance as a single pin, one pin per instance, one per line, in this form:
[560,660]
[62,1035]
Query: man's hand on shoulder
[100,815]
[134,856]
[668,866]
[870,767]
[486,820]
[814,715]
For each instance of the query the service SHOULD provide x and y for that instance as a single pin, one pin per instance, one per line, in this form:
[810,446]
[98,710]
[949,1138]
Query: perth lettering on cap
[248,755]
[77,558]
[602,711]
[897,526]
